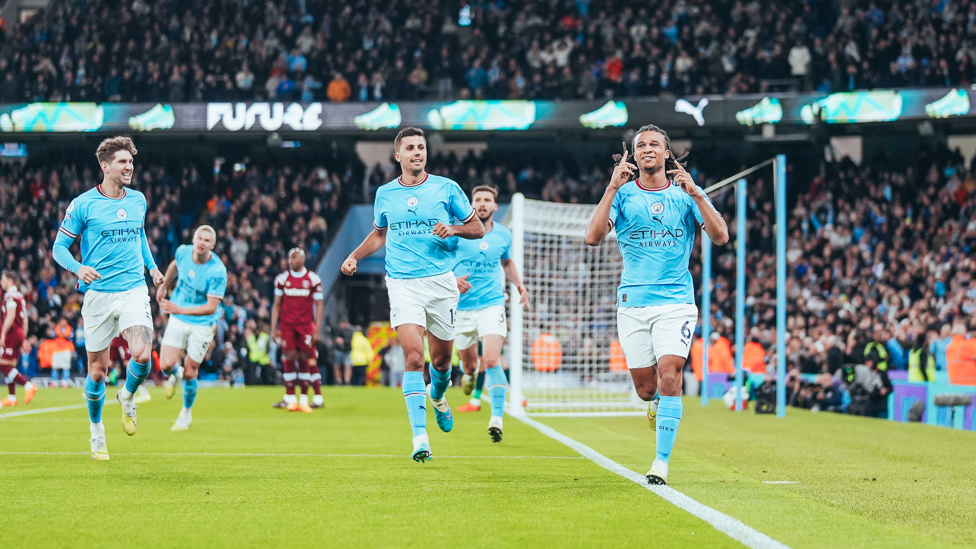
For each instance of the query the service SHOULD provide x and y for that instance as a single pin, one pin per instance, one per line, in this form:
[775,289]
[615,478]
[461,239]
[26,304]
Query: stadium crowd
[259,212]
[310,50]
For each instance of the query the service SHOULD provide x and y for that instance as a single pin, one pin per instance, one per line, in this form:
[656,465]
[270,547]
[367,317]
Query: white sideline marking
[780,482]
[41,411]
[722,522]
[208,454]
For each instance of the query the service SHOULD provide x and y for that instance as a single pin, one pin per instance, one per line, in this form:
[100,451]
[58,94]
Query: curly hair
[670,163]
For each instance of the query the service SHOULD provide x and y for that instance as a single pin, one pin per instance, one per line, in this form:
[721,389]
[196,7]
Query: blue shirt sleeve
[217,285]
[379,215]
[70,228]
[62,252]
[693,206]
[459,205]
[74,220]
[615,209]
[147,256]
[507,250]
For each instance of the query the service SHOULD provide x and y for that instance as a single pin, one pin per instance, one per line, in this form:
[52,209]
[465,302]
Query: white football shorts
[430,302]
[471,326]
[192,338]
[107,314]
[648,333]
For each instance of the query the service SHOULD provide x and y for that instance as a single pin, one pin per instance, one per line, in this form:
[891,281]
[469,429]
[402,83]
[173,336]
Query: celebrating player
[298,296]
[414,216]
[200,279]
[481,309]
[12,339]
[114,255]
[656,216]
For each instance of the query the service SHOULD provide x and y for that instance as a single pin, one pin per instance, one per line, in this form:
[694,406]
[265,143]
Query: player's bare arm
[319,319]
[169,282]
[207,309]
[275,316]
[712,222]
[512,275]
[599,226]
[372,244]
[471,230]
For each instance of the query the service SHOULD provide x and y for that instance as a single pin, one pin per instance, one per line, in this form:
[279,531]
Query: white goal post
[563,353]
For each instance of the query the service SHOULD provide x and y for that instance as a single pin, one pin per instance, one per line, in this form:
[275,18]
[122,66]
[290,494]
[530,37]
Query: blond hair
[205,228]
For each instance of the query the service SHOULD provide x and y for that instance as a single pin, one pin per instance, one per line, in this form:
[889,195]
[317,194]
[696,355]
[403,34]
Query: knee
[440,362]
[143,355]
[414,361]
[670,382]
[646,394]
[97,376]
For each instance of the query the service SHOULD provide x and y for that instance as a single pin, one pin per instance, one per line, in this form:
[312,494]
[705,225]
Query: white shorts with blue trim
[648,333]
[430,302]
[107,314]
[471,326]
[195,339]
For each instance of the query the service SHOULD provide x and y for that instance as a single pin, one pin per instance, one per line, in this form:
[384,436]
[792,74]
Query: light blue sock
[136,374]
[416,397]
[497,388]
[189,392]
[668,419]
[438,383]
[95,393]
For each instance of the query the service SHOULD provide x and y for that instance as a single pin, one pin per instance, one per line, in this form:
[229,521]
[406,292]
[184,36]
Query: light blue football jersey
[409,214]
[112,238]
[198,282]
[655,233]
[481,259]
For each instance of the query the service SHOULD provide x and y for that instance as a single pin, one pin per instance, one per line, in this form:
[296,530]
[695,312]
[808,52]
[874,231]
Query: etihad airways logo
[417,226]
[110,233]
[651,238]
[270,116]
[479,266]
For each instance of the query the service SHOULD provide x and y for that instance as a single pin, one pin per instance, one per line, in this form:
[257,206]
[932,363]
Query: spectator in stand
[339,90]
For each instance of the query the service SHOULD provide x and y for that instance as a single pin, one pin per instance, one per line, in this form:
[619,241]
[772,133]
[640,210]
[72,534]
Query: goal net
[565,348]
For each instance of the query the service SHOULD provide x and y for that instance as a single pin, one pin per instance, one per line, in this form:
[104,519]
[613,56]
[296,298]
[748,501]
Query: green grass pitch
[247,475]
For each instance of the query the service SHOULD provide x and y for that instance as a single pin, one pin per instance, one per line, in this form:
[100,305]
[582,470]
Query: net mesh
[571,362]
